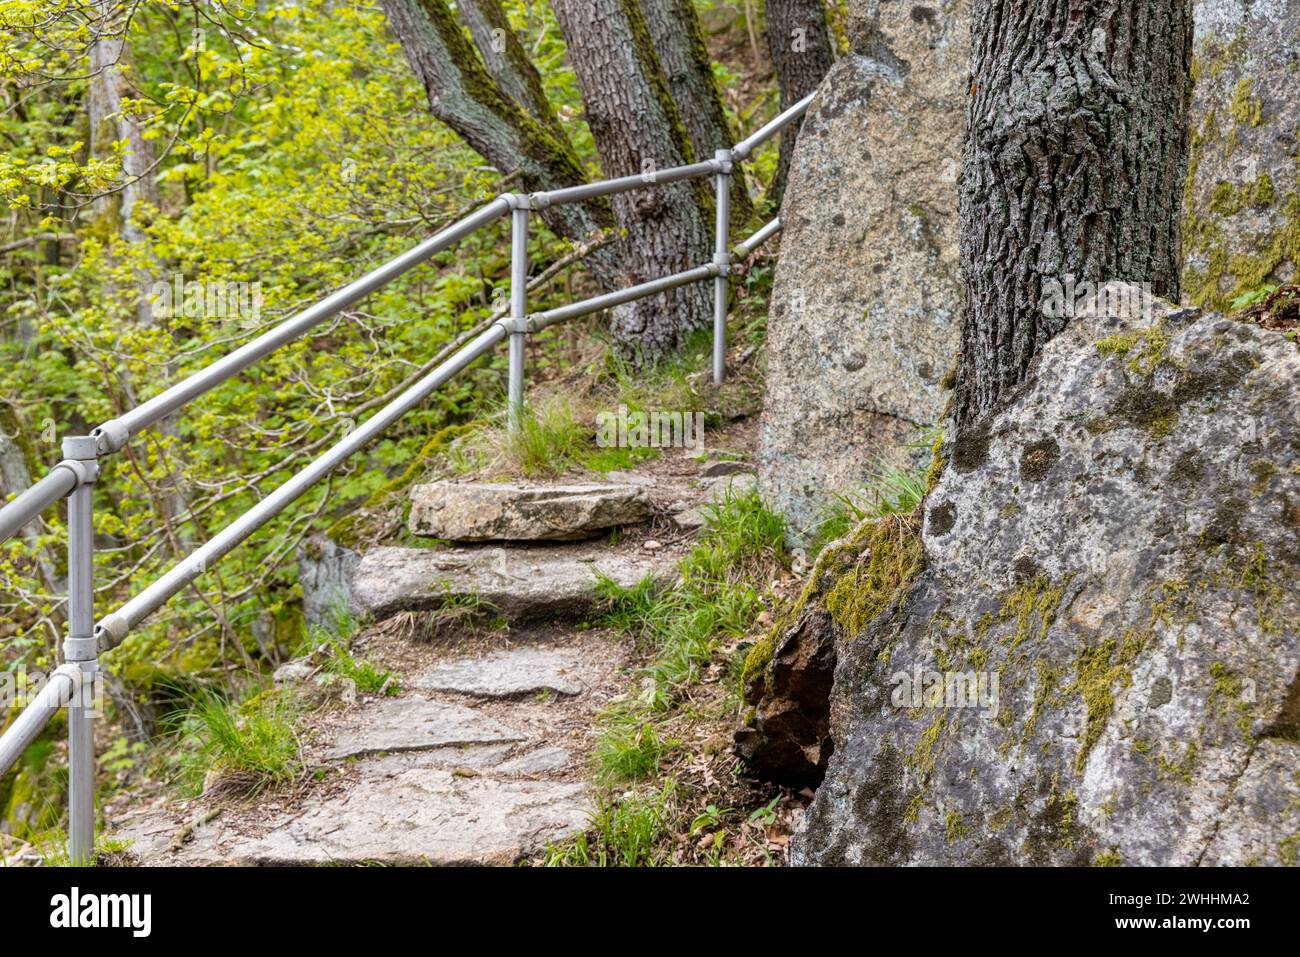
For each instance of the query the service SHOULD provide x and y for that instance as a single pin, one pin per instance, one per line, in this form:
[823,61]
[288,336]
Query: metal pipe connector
[111,436]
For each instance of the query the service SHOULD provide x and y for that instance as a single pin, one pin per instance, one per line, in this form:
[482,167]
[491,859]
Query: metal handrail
[74,477]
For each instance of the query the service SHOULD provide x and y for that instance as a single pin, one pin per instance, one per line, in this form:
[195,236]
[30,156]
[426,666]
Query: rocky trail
[483,755]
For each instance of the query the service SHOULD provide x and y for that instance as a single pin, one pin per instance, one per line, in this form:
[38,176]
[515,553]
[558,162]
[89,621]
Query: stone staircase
[484,756]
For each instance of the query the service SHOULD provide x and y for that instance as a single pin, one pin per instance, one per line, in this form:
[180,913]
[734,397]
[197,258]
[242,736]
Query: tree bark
[1074,163]
[637,129]
[505,58]
[464,96]
[679,43]
[799,43]
[109,86]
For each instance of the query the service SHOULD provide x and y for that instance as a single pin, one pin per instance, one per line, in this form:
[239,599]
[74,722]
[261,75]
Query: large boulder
[1241,217]
[865,311]
[1098,661]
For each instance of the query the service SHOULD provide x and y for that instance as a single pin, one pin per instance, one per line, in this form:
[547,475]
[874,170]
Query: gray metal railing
[74,477]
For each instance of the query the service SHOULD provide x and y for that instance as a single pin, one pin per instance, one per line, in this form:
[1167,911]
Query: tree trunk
[463,95]
[799,43]
[637,129]
[679,42]
[109,85]
[505,58]
[1074,164]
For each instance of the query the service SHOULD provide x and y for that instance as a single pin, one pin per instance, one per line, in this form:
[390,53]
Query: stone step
[396,811]
[486,511]
[475,766]
[520,582]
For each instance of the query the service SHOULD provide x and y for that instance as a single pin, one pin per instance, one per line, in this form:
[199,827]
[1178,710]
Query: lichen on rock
[1241,206]
[1128,594]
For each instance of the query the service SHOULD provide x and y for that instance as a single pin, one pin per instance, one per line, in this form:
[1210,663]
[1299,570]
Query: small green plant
[710,819]
[741,535]
[331,641]
[765,816]
[626,831]
[1248,299]
[628,750]
[456,611]
[890,491]
[239,748]
[368,678]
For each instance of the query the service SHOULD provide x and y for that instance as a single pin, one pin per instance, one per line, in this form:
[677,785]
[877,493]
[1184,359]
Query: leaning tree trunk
[638,130]
[799,43]
[679,43]
[464,96]
[1074,163]
[505,57]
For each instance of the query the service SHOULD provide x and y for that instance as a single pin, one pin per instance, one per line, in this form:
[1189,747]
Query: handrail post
[519,206]
[81,453]
[721,259]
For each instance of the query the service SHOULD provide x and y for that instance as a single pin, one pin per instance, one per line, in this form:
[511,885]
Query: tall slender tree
[114,126]
[799,43]
[1074,163]
[638,129]
[679,43]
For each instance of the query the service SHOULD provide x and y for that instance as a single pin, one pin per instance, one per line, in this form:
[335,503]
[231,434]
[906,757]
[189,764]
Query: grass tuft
[239,748]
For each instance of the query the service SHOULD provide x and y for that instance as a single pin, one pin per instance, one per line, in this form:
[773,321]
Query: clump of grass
[626,831]
[550,438]
[742,536]
[331,640]
[628,750]
[366,677]
[683,626]
[890,491]
[239,748]
[457,611]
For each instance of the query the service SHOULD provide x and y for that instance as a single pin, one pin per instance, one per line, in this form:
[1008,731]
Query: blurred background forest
[181,175]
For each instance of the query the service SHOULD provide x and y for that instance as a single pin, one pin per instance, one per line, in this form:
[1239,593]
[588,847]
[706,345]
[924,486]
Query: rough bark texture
[505,57]
[464,96]
[637,129]
[799,44]
[679,43]
[1074,166]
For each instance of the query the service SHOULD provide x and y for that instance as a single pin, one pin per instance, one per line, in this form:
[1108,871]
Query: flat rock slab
[414,724]
[510,674]
[425,815]
[482,512]
[394,815]
[521,582]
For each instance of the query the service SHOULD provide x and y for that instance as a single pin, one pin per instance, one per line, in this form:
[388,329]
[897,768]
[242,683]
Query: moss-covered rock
[788,673]
[1241,208]
[1130,597]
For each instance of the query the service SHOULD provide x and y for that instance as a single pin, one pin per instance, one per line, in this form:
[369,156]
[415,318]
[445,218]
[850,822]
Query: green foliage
[891,491]
[628,750]
[241,748]
[682,626]
[1248,299]
[741,534]
[625,832]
